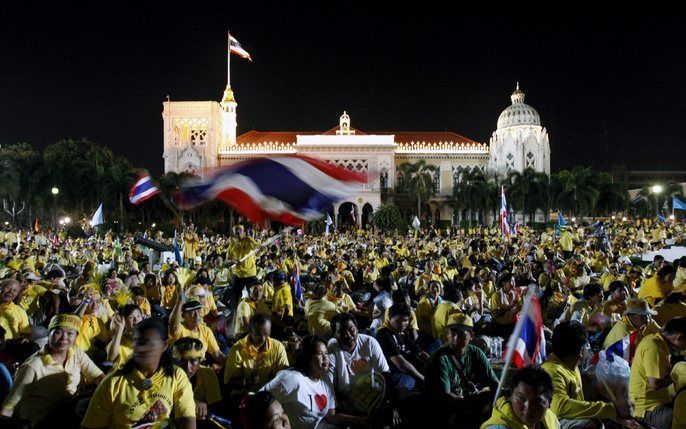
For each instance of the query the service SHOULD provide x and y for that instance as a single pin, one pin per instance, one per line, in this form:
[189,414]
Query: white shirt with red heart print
[306,402]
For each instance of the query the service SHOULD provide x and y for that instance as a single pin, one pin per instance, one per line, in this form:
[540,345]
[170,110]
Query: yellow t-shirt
[623,327]
[443,311]
[92,327]
[246,309]
[206,386]
[282,298]
[319,313]
[239,249]
[169,296]
[40,383]
[202,333]
[679,378]
[125,353]
[667,312]
[653,289]
[119,402]
[259,367]
[29,301]
[650,360]
[425,313]
[343,304]
[15,320]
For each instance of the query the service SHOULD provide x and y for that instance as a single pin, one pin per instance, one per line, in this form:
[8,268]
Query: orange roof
[401,137]
[427,136]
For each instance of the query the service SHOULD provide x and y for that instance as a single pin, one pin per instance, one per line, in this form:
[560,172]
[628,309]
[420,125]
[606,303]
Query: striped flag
[297,286]
[624,348]
[530,346]
[177,251]
[289,189]
[236,48]
[142,190]
[504,225]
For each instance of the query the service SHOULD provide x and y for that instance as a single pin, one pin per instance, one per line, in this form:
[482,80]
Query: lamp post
[656,189]
[54,191]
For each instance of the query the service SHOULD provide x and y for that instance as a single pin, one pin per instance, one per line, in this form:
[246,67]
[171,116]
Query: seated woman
[319,311]
[305,391]
[120,347]
[188,354]
[147,388]
[45,385]
[337,295]
[250,306]
[476,303]
[262,411]
[505,305]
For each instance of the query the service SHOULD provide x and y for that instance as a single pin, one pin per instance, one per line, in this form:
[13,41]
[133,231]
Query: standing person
[244,271]
[45,385]
[147,389]
[650,375]
[529,404]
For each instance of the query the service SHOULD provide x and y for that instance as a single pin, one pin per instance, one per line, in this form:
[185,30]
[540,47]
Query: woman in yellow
[659,286]
[188,355]
[343,302]
[147,388]
[170,284]
[93,326]
[253,360]
[250,306]
[427,307]
[282,306]
[319,312]
[505,304]
[120,347]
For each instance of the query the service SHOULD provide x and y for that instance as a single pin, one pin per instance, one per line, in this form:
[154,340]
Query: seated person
[45,385]
[505,305]
[263,411]
[528,405]
[319,311]
[569,342]
[186,321]
[459,377]
[120,347]
[669,308]
[636,319]
[250,306]
[616,303]
[188,355]
[650,376]
[406,360]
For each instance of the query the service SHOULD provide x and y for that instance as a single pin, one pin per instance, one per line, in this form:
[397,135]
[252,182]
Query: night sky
[610,85]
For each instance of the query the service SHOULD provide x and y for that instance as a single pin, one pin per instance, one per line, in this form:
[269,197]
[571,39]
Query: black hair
[342,319]
[505,278]
[166,361]
[128,309]
[308,347]
[536,377]
[399,309]
[399,295]
[149,277]
[256,406]
[592,289]
[676,326]
[568,339]
[137,291]
[188,343]
[659,258]
[674,298]
[257,321]
[452,293]
[617,284]
[54,274]
[665,271]
[384,283]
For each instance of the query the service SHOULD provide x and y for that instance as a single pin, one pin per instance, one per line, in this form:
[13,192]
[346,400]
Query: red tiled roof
[277,137]
[427,136]
[289,137]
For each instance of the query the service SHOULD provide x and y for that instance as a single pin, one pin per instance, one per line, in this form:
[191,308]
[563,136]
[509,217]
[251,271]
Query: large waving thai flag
[505,226]
[236,48]
[529,348]
[142,190]
[289,189]
[624,348]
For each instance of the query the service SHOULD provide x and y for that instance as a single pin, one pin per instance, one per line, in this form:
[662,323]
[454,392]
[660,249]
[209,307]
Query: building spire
[517,96]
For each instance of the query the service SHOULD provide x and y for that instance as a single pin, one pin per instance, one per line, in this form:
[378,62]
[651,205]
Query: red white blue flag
[624,348]
[236,48]
[289,189]
[505,226]
[142,190]
[297,286]
[529,348]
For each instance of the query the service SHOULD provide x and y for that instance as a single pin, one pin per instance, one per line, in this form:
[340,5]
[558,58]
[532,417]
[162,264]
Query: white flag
[329,222]
[415,223]
[97,217]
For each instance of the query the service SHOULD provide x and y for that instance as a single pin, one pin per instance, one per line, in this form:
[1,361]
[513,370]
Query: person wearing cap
[204,296]
[650,376]
[459,375]
[46,382]
[248,307]
[186,321]
[637,318]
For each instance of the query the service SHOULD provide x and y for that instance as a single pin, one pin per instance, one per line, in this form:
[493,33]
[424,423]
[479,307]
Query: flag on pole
[503,213]
[624,348]
[661,218]
[289,189]
[236,48]
[142,190]
[677,204]
[297,286]
[530,345]
[415,223]
[177,252]
[97,217]
[329,222]
[561,222]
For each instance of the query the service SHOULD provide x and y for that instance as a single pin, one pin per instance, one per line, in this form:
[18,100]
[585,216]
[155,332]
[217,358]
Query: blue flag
[677,204]
[177,252]
[661,218]
[561,220]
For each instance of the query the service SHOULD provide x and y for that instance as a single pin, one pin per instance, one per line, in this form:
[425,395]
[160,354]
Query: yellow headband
[65,321]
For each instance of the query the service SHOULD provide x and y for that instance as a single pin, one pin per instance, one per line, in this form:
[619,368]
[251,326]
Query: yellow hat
[72,321]
[460,321]
[638,306]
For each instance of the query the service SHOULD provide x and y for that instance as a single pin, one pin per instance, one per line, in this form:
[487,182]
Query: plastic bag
[612,377]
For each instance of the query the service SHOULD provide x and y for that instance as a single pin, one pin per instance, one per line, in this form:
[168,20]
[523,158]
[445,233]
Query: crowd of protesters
[352,329]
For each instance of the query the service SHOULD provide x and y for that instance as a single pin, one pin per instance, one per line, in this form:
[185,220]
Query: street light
[656,189]
[55,191]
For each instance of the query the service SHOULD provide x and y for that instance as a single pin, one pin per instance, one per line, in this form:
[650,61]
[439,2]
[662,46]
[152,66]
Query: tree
[664,198]
[387,217]
[528,191]
[474,192]
[575,190]
[418,180]
[612,197]
[118,182]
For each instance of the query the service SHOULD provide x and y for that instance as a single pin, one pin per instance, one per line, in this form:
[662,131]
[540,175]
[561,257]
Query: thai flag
[624,348]
[142,190]
[529,348]
[288,189]
[236,48]
[503,213]
[297,286]
[177,252]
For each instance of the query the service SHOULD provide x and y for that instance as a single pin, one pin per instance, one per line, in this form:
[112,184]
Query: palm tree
[612,197]
[387,217]
[418,179]
[576,190]
[528,191]
[118,182]
[474,193]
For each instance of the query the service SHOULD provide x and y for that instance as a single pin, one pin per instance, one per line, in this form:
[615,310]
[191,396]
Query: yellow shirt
[653,289]
[169,296]
[623,327]
[500,300]
[15,320]
[256,366]
[425,313]
[679,416]
[441,314]
[282,298]
[40,383]
[343,304]
[206,386]
[667,312]
[319,313]
[239,249]
[118,401]
[247,309]
[568,394]
[202,333]
[92,327]
[650,360]
[29,301]
[125,353]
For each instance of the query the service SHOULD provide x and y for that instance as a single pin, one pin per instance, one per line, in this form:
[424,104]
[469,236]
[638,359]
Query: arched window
[530,160]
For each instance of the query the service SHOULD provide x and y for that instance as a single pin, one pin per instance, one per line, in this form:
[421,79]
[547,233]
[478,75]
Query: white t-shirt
[344,366]
[306,402]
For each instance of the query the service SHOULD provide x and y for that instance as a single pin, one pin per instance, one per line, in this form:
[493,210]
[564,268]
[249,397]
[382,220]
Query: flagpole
[228,61]
[513,340]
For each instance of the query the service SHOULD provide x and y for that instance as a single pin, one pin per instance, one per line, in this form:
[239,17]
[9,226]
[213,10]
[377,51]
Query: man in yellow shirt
[569,404]
[244,271]
[659,286]
[45,383]
[636,318]
[319,311]
[282,305]
[650,375]
[186,321]
[250,306]
[669,308]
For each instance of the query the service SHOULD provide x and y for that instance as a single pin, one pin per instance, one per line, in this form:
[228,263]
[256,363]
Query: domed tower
[519,141]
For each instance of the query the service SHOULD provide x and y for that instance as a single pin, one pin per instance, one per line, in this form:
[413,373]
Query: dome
[519,113]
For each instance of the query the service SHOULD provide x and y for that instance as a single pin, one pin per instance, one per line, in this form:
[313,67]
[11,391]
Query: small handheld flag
[504,225]
[97,217]
[329,222]
[561,222]
[677,204]
[415,223]
[142,190]
[177,252]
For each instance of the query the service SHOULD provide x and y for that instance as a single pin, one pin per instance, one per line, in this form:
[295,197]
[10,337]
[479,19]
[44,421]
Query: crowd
[355,329]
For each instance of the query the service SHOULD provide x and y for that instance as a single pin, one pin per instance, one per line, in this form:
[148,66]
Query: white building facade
[200,135]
